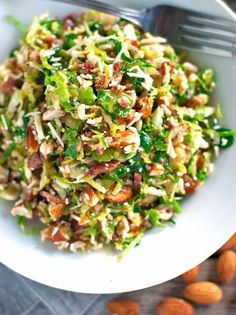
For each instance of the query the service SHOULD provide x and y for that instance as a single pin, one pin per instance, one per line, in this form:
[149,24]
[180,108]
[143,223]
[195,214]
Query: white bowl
[207,221]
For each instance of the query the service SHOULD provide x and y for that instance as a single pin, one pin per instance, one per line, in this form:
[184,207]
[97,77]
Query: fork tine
[200,43]
[216,23]
[209,17]
[201,33]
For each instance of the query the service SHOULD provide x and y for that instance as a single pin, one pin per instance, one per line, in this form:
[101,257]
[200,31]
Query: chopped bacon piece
[118,88]
[100,168]
[8,86]
[117,66]
[35,56]
[69,21]
[189,184]
[134,42]
[100,82]
[51,198]
[87,66]
[137,181]
[49,41]
[35,161]
[163,68]
[124,102]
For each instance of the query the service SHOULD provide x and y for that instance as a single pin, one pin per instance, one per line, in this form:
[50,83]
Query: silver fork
[183,28]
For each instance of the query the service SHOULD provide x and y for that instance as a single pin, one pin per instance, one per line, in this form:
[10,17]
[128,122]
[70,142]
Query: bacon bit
[100,168]
[56,211]
[134,42]
[69,21]
[135,228]
[29,196]
[118,88]
[125,194]
[117,66]
[35,161]
[89,196]
[51,198]
[49,41]
[122,139]
[200,161]
[128,87]
[31,142]
[163,68]
[8,86]
[124,102]
[137,181]
[87,66]
[100,82]
[35,56]
[100,151]
[189,184]
[144,106]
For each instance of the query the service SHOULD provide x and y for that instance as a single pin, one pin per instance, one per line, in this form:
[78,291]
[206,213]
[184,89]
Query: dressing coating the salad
[103,130]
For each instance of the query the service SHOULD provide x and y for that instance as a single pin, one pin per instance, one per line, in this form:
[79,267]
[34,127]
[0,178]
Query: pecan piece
[100,168]
[125,194]
[35,161]
[56,211]
[51,198]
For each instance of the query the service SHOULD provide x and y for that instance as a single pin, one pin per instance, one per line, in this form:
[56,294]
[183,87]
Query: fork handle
[126,13]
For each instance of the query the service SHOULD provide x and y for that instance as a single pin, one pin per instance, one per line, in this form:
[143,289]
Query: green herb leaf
[117,44]
[70,40]
[146,141]
[7,152]
[71,151]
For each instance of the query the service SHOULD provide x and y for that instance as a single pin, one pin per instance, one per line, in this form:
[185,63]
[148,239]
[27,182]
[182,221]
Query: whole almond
[123,307]
[226,266]
[230,243]
[175,306]
[191,275]
[204,292]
